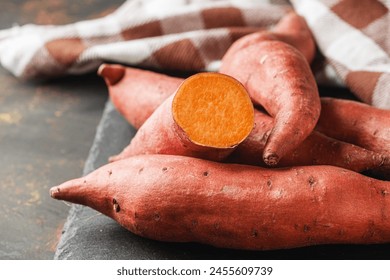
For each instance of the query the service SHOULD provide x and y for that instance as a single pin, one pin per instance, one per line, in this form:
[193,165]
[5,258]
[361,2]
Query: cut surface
[213,110]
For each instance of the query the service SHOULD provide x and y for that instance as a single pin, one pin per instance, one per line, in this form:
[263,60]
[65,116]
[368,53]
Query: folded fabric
[193,35]
[354,36]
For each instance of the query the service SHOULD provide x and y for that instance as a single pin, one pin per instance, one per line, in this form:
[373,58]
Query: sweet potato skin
[316,149]
[138,93]
[277,77]
[356,123]
[182,199]
[274,66]
[293,30]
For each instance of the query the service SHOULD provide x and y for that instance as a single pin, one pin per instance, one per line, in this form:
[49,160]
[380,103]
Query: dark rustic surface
[46,131]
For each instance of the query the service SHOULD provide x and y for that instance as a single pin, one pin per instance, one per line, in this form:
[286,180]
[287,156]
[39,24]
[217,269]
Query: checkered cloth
[193,35]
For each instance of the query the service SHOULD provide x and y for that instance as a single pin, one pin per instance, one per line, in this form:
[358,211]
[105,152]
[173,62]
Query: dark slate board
[88,235]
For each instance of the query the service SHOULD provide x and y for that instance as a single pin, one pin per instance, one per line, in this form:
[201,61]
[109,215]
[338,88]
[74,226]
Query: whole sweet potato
[183,199]
[278,77]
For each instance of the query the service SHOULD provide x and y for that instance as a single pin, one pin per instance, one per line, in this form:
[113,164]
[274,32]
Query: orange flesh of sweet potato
[213,110]
[208,116]
[182,199]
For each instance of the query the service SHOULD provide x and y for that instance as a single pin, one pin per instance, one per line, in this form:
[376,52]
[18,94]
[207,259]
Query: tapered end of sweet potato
[270,159]
[71,191]
[112,73]
[85,191]
[213,110]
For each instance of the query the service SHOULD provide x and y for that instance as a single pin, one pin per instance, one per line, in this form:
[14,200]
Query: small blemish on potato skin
[254,233]
[311,181]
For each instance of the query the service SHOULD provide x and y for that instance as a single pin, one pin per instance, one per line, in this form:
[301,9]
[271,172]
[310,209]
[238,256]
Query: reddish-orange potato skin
[356,123]
[182,199]
[274,66]
[139,92]
[278,77]
[293,30]
[316,149]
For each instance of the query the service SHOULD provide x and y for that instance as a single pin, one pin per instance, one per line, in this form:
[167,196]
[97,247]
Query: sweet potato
[137,93]
[356,123]
[207,117]
[278,77]
[183,199]
[316,149]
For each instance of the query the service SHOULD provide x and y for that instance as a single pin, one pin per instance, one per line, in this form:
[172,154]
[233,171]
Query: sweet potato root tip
[213,110]
[54,192]
[111,73]
[69,190]
[270,158]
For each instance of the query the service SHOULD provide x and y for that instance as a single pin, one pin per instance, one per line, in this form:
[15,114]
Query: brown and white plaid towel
[354,36]
[193,35]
